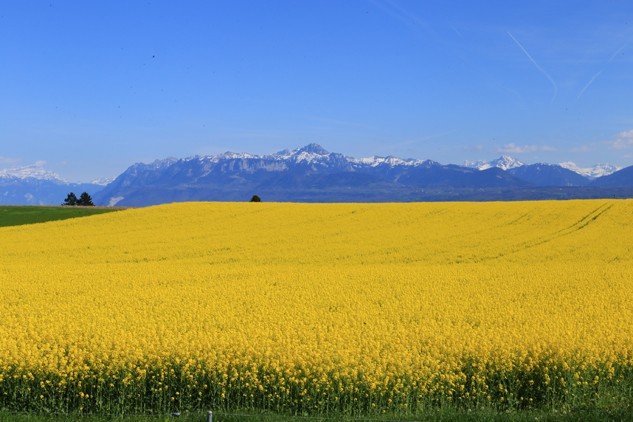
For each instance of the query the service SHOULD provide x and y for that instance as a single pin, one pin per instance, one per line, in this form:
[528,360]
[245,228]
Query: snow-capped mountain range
[314,154]
[310,154]
[506,163]
[33,185]
[39,173]
[31,172]
[304,173]
[591,173]
[295,175]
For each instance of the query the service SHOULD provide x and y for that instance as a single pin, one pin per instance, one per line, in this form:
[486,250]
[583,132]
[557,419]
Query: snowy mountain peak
[283,153]
[309,153]
[480,165]
[31,172]
[158,164]
[504,162]
[599,170]
[312,149]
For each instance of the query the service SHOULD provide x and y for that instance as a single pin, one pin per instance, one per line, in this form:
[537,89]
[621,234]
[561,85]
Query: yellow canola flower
[317,308]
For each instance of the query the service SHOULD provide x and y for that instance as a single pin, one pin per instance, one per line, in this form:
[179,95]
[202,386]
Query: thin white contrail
[605,66]
[460,35]
[616,53]
[536,64]
[587,86]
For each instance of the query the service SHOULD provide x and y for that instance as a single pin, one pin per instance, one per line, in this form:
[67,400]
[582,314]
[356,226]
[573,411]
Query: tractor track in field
[578,225]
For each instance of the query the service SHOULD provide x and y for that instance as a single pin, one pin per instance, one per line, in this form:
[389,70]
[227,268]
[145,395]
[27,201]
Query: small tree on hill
[256,198]
[85,200]
[71,199]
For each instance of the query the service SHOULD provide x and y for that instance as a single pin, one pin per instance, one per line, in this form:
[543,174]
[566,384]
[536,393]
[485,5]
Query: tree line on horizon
[83,200]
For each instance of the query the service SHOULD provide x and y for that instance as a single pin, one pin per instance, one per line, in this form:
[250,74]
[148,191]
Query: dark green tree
[256,198]
[71,199]
[85,200]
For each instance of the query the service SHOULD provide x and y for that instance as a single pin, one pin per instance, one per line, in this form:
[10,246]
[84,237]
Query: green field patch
[19,215]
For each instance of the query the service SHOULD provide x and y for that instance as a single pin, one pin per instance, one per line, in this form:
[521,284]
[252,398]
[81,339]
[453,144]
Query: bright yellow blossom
[318,308]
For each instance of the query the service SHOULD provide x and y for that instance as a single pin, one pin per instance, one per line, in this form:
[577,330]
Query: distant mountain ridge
[31,172]
[542,174]
[313,172]
[599,170]
[33,185]
[620,178]
[103,181]
[506,163]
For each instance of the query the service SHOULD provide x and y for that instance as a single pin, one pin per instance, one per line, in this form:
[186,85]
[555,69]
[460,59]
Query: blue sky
[89,88]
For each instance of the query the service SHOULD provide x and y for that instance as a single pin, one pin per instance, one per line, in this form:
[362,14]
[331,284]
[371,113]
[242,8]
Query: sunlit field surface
[346,309]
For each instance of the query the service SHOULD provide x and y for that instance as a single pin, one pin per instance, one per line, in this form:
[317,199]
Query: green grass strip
[19,215]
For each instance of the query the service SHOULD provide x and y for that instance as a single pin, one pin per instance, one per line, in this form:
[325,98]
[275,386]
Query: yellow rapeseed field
[349,309]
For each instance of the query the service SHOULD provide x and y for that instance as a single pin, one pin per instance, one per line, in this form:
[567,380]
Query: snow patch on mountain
[599,170]
[114,201]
